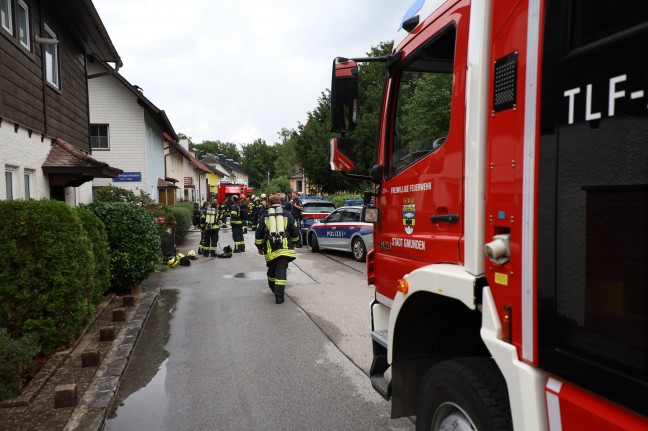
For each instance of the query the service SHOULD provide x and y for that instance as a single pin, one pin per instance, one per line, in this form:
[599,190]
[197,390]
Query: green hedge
[47,272]
[134,241]
[100,250]
[17,365]
[183,213]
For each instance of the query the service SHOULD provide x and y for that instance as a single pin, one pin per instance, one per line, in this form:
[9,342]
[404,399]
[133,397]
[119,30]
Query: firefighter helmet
[263,196]
[191,254]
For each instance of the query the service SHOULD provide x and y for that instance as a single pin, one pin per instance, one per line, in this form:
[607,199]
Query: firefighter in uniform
[275,238]
[243,204]
[224,213]
[203,210]
[209,222]
[255,206]
[237,226]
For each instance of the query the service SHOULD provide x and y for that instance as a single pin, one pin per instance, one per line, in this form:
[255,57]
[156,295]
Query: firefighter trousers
[210,242]
[237,237]
[277,274]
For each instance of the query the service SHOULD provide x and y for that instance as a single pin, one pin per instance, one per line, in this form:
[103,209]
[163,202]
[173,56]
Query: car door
[326,234]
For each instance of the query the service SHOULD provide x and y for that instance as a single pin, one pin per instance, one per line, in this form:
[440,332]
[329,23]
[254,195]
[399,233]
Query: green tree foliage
[134,240]
[228,149]
[287,162]
[46,270]
[371,86]
[259,159]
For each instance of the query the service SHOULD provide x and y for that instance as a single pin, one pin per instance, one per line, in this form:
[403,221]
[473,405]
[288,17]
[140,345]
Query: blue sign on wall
[128,177]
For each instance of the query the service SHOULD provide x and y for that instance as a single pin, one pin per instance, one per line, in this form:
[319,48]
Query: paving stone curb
[97,386]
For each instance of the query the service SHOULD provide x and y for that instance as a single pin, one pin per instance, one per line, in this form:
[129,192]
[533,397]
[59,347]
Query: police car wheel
[359,250]
[314,245]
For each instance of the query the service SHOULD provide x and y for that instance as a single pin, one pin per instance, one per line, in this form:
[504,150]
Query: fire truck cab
[510,260]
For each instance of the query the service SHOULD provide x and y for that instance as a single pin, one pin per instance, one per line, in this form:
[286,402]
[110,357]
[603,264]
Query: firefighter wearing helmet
[210,224]
[275,239]
[245,208]
[236,220]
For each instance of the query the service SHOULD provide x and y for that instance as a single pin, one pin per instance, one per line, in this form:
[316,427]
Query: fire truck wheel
[314,245]
[463,394]
[359,250]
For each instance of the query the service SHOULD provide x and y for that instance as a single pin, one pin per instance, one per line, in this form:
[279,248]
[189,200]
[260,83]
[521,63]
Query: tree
[228,149]
[287,162]
[258,162]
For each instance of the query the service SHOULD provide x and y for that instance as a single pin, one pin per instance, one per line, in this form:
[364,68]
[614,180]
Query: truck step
[382,386]
[380,337]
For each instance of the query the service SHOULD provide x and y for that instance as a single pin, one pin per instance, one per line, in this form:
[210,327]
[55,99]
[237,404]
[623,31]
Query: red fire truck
[510,259]
[226,190]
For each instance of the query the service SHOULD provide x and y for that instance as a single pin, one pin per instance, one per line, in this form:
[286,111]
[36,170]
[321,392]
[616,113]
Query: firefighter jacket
[277,237]
[235,214]
[210,219]
[224,212]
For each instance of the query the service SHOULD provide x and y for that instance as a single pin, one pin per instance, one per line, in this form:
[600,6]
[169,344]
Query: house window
[51,58]
[24,35]
[6,16]
[9,183]
[28,185]
[99,137]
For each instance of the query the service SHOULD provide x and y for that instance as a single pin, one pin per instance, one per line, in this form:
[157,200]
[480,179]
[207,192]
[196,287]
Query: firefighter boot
[213,253]
[206,252]
[279,293]
[242,248]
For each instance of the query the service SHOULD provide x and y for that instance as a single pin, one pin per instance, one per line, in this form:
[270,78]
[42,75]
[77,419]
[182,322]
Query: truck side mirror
[342,154]
[344,95]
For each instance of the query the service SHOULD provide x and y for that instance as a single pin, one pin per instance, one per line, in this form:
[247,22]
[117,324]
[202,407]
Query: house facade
[224,170]
[129,131]
[44,105]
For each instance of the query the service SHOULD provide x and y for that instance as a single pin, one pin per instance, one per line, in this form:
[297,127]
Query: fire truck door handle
[446,218]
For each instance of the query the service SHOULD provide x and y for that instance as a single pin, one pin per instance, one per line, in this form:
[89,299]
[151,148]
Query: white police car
[342,230]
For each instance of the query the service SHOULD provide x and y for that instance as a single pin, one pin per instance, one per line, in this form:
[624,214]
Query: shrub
[117,194]
[183,213]
[100,250]
[339,199]
[16,363]
[134,241]
[46,272]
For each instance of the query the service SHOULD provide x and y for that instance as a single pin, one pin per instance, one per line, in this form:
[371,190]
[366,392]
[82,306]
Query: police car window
[334,217]
[349,216]
[422,112]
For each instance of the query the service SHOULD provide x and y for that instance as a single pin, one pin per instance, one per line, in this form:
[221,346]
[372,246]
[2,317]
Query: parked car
[342,230]
[314,209]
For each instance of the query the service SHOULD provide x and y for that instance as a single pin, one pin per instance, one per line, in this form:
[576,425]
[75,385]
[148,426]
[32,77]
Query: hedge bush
[183,213]
[134,241]
[100,250]
[17,365]
[46,271]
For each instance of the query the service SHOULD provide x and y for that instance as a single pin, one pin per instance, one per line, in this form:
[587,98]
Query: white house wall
[154,156]
[113,104]
[23,154]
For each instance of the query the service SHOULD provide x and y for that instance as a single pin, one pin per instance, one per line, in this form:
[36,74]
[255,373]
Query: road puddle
[146,373]
[254,275]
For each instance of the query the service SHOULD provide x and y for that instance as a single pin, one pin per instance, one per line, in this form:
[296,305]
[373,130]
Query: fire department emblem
[409,215]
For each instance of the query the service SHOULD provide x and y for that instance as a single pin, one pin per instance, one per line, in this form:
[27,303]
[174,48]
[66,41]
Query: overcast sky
[240,70]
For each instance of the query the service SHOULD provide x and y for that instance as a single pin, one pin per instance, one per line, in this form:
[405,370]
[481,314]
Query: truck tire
[463,394]
[359,250]
[314,245]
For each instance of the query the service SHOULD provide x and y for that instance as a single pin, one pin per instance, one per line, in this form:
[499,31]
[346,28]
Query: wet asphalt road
[218,354]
